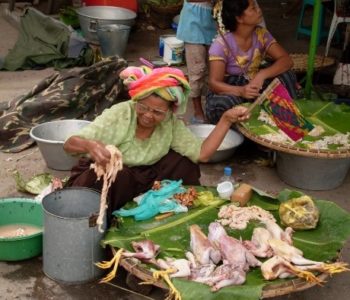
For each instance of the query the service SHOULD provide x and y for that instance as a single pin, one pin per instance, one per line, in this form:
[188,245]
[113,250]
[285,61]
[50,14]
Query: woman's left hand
[213,141]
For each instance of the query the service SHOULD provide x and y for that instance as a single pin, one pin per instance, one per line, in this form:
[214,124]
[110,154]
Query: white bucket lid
[173,41]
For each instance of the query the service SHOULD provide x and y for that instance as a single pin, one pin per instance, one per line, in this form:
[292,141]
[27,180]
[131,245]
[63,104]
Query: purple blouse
[246,63]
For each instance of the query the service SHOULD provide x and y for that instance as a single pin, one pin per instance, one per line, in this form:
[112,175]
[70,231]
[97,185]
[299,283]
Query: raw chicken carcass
[290,253]
[232,250]
[295,256]
[218,277]
[144,250]
[278,233]
[231,276]
[202,248]
[278,267]
[259,244]
[181,266]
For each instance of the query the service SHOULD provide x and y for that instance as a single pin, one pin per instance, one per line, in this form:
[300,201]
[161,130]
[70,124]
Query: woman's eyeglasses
[157,113]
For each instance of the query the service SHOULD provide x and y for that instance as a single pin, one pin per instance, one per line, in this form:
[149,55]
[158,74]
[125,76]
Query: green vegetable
[206,198]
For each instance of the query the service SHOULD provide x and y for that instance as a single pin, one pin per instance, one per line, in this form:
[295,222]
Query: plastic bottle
[226,184]
[227,175]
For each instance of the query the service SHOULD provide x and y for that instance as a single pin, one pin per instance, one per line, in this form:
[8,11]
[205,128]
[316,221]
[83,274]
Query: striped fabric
[281,107]
[168,83]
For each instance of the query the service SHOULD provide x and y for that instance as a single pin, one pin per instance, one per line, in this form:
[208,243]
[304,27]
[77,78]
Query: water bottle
[227,175]
[226,183]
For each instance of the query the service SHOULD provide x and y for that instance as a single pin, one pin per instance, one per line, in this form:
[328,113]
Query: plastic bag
[342,74]
[154,202]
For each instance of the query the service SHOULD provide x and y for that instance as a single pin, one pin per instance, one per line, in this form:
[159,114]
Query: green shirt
[116,126]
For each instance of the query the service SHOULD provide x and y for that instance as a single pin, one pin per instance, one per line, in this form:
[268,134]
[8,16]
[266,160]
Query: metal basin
[50,137]
[92,17]
[311,173]
[228,146]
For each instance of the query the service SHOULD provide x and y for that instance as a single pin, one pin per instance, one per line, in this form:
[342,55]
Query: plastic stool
[322,32]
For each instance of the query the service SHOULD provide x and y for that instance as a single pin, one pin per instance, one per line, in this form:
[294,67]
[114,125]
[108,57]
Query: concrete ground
[26,280]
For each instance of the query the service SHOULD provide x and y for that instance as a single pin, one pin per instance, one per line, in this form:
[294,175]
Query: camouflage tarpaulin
[68,94]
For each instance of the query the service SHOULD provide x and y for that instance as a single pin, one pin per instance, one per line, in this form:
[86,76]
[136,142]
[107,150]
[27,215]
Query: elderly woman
[238,67]
[155,145]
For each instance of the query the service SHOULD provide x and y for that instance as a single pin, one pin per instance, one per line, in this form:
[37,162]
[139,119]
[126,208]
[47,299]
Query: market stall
[171,238]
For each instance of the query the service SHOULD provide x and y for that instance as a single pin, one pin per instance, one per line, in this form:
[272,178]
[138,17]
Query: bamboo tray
[269,291]
[291,149]
[300,61]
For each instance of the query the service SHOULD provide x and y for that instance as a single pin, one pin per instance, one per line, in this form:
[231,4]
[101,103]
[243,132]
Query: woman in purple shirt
[236,74]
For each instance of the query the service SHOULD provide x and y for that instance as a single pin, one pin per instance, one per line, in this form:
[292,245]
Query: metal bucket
[113,39]
[92,17]
[71,240]
[310,173]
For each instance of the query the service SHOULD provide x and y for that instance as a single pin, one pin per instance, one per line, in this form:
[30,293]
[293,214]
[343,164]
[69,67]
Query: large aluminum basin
[50,137]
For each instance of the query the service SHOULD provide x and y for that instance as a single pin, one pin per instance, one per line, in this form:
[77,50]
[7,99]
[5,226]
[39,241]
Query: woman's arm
[95,149]
[282,63]
[216,80]
[215,138]
[217,84]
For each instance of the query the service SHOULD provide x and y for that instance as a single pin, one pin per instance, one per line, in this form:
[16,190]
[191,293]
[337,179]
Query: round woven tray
[314,153]
[300,61]
[162,16]
[269,291]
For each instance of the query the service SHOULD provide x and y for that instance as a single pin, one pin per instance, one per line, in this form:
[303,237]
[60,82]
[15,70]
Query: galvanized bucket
[113,39]
[71,240]
[310,173]
[92,17]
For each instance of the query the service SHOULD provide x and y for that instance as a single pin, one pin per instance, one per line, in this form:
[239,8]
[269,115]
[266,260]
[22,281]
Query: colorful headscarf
[168,83]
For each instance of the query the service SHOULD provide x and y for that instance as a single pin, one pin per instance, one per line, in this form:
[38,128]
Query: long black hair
[232,9]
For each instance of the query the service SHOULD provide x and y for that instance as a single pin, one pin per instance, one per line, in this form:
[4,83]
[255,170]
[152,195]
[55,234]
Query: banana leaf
[334,118]
[172,234]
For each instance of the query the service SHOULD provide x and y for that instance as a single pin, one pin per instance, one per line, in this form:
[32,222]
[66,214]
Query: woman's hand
[250,91]
[213,141]
[96,149]
[236,114]
[98,152]
[258,79]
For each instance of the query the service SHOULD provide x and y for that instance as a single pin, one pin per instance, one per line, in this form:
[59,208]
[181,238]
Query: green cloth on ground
[43,42]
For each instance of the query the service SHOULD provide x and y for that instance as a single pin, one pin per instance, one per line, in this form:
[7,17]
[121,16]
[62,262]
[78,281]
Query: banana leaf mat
[172,234]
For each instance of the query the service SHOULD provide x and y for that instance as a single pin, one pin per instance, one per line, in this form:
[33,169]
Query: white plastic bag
[342,74]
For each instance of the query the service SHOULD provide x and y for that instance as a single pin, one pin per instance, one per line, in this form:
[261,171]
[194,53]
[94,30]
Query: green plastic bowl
[21,211]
